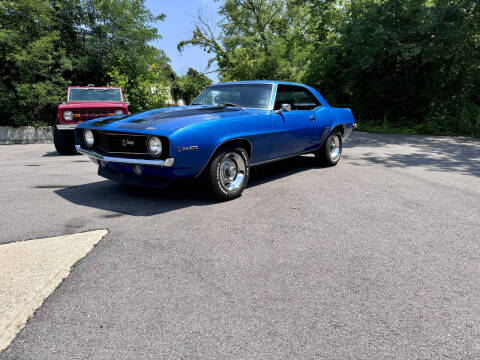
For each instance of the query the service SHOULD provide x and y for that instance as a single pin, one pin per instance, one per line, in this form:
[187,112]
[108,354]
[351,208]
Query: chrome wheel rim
[334,147]
[232,171]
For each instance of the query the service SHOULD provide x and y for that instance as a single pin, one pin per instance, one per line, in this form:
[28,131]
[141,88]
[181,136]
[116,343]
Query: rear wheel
[228,173]
[331,151]
[64,141]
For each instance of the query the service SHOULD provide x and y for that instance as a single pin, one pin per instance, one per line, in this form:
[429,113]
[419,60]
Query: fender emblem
[187,148]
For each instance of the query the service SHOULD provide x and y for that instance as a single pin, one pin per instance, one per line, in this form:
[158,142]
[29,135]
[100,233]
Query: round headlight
[154,146]
[118,112]
[88,137]
[68,116]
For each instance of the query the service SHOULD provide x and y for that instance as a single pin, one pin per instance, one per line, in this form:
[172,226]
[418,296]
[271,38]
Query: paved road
[376,258]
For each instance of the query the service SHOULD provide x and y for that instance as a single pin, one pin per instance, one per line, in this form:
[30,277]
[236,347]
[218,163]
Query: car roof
[258,82]
[275,82]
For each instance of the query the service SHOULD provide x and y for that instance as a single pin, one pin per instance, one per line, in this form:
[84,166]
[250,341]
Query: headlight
[88,137]
[154,146]
[68,116]
[118,112]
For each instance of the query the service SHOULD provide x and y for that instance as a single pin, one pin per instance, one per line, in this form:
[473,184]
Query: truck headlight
[88,137]
[154,146]
[68,116]
[118,112]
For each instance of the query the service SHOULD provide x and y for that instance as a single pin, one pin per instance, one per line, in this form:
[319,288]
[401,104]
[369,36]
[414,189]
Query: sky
[179,25]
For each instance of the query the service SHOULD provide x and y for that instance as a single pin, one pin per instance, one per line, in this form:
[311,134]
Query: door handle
[313,117]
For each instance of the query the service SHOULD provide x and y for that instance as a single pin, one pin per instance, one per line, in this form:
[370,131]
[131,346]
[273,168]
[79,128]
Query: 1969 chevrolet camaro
[228,129]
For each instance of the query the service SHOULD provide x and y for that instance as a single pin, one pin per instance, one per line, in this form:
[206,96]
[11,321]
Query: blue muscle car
[228,129]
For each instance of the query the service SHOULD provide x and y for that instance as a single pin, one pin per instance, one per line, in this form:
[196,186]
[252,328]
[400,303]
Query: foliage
[410,63]
[33,63]
[261,39]
[46,45]
[148,90]
[189,86]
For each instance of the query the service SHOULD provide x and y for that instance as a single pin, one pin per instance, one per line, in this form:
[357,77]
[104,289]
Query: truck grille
[90,114]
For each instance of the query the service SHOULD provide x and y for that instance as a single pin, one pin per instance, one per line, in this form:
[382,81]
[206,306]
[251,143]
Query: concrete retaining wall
[25,135]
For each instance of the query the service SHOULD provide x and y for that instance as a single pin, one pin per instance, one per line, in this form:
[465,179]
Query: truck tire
[64,141]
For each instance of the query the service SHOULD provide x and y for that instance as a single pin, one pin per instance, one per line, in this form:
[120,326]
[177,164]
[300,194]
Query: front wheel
[331,151]
[64,141]
[228,173]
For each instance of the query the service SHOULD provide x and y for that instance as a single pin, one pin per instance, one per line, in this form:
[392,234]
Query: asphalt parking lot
[376,258]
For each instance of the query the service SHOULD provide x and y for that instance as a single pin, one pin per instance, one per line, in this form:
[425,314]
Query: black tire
[64,141]
[228,173]
[331,151]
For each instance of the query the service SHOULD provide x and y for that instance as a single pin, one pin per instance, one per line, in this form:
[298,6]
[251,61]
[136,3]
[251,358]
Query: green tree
[46,45]
[190,85]
[396,63]
[149,90]
[33,62]
[261,39]
[399,63]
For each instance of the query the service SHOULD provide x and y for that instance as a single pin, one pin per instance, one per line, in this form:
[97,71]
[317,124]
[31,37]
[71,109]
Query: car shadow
[115,198]
[55,154]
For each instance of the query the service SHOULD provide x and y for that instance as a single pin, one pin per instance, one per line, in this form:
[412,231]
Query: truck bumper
[66,126]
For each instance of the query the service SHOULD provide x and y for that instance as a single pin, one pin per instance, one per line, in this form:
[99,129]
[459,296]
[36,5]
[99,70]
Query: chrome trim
[284,157]
[66,126]
[94,155]
[270,104]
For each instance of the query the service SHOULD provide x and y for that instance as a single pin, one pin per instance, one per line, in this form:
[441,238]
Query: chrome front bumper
[96,156]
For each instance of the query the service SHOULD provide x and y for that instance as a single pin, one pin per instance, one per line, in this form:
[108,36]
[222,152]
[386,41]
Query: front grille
[90,114]
[123,144]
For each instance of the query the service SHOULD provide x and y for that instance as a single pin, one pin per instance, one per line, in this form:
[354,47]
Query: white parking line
[31,270]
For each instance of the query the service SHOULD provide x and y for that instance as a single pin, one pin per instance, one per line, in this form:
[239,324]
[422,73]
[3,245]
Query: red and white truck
[85,103]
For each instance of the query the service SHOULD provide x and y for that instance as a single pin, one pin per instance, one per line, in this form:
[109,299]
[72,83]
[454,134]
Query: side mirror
[127,103]
[285,107]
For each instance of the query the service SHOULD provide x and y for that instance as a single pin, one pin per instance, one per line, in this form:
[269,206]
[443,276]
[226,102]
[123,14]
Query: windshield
[246,95]
[91,94]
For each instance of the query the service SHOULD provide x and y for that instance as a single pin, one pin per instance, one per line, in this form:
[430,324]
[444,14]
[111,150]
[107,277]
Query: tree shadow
[110,196]
[434,153]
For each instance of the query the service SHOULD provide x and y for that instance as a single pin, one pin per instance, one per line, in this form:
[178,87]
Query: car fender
[341,117]
[193,155]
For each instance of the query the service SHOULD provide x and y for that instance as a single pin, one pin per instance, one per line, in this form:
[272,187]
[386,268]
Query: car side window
[299,97]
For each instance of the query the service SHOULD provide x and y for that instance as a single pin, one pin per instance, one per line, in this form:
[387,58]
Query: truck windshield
[92,94]
[246,95]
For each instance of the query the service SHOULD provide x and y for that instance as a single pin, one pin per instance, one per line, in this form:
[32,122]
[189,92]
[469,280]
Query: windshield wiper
[232,105]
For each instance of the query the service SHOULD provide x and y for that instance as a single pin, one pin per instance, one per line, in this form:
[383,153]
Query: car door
[295,130]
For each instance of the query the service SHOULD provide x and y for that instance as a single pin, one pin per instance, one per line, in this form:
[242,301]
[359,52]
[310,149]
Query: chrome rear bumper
[96,156]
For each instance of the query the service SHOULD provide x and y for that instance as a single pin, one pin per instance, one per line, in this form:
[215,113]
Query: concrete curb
[26,135]
[32,271]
